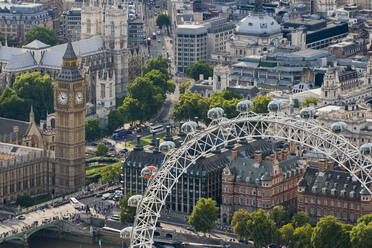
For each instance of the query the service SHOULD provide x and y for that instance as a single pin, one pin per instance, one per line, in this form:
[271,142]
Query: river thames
[37,242]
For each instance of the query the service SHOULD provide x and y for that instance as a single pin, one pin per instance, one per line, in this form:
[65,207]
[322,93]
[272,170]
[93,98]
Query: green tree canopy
[201,67]
[12,106]
[239,224]
[308,101]
[131,110]
[279,215]
[366,219]
[92,129]
[115,120]
[204,215]
[161,80]
[299,219]
[36,90]
[147,94]
[302,237]
[286,235]
[262,229]
[157,63]
[329,232]
[127,213]
[45,35]
[163,20]
[191,105]
[184,86]
[260,104]
[361,236]
[111,173]
[101,149]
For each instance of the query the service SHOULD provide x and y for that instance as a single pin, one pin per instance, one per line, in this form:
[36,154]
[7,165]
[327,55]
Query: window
[103,95]
[226,189]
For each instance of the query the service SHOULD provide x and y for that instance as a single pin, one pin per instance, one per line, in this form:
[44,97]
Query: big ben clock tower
[69,105]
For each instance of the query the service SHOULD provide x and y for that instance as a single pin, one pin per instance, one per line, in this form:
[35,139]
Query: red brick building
[263,181]
[324,191]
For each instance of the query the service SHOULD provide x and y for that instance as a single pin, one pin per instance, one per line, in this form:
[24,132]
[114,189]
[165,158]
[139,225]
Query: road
[15,224]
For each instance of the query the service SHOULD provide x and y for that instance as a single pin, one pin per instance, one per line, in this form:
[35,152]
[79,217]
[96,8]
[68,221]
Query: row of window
[332,203]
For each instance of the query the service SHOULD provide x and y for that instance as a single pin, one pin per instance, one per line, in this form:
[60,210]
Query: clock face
[62,98]
[79,97]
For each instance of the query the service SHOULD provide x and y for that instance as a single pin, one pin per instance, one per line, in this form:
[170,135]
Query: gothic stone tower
[69,105]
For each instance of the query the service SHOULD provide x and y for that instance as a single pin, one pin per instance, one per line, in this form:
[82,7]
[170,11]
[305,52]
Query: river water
[38,242]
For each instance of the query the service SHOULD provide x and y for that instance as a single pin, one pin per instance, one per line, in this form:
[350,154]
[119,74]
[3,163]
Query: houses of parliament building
[49,160]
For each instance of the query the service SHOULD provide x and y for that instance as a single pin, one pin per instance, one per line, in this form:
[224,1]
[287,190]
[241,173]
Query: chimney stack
[278,154]
[153,140]
[258,156]
[138,147]
[234,154]
[168,136]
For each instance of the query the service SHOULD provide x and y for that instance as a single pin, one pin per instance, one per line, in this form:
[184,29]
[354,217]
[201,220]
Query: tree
[184,86]
[36,90]
[201,67]
[361,236]
[204,215]
[127,213]
[163,20]
[366,219]
[191,105]
[110,173]
[12,106]
[302,236]
[115,120]
[131,110]
[45,35]
[147,94]
[308,101]
[279,215]
[239,224]
[92,129]
[25,201]
[328,233]
[300,219]
[286,235]
[157,63]
[161,80]
[262,229]
[260,104]
[101,149]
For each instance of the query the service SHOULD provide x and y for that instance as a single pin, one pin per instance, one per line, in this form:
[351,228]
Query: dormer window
[333,191]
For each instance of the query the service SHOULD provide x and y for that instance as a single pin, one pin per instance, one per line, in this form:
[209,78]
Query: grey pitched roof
[20,61]
[36,44]
[339,181]
[53,56]
[7,52]
[6,127]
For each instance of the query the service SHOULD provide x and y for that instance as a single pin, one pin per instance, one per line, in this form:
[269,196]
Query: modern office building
[136,36]
[191,42]
[72,24]
[203,179]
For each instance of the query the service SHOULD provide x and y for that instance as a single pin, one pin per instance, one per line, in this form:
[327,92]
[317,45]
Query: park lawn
[146,140]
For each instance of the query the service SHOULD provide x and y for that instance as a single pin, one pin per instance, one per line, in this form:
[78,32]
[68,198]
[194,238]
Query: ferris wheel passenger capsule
[338,127]
[366,149]
[148,172]
[166,146]
[189,127]
[274,106]
[244,106]
[307,113]
[215,113]
[134,200]
[126,232]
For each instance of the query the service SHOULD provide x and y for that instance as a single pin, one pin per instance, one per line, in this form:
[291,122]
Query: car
[21,217]
[158,32]
[115,217]
[190,228]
